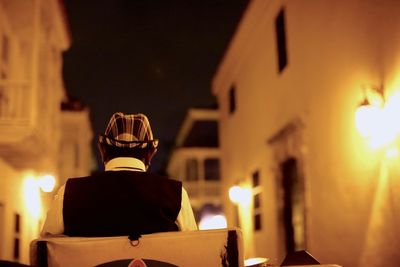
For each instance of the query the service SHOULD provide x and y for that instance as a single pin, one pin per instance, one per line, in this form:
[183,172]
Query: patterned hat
[128,130]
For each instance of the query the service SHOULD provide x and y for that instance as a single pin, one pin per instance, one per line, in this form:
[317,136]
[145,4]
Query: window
[232,99]
[281,40]
[257,222]
[211,169]
[191,170]
[17,223]
[17,232]
[4,56]
[16,248]
[256,179]
[257,201]
[5,48]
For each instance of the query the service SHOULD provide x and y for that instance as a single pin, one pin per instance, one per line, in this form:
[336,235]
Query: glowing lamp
[47,183]
[234,194]
[32,196]
[368,119]
[212,222]
[392,112]
[369,113]
[239,195]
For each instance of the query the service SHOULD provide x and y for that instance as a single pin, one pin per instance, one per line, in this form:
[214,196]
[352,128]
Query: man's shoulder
[167,178]
[81,180]
[123,174]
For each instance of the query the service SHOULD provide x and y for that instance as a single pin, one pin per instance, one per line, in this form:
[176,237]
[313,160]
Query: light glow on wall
[367,118]
[392,112]
[379,123]
[212,222]
[392,152]
[32,196]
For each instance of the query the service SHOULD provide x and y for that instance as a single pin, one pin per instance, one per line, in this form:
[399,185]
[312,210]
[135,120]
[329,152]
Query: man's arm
[54,223]
[185,219]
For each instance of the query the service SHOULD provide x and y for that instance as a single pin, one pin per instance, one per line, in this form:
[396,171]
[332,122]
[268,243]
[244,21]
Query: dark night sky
[150,56]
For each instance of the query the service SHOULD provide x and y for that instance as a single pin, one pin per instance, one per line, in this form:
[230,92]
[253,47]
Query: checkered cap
[128,130]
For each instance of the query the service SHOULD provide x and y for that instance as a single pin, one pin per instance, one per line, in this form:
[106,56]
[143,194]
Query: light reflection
[212,222]
[392,112]
[367,118]
[47,183]
[378,123]
[32,196]
[240,195]
[392,152]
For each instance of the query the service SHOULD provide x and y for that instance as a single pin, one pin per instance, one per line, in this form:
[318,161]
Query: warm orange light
[212,222]
[392,112]
[392,152]
[368,119]
[379,122]
[32,196]
[239,195]
[47,183]
[377,117]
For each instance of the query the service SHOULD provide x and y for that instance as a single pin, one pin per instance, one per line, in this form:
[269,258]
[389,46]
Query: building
[288,89]
[33,36]
[195,161]
[76,141]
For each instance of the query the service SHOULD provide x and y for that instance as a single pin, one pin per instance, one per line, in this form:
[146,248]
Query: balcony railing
[15,103]
[203,188]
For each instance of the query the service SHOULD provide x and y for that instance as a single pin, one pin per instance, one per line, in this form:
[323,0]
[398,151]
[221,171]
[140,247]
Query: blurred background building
[307,174]
[195,161]
[39,141]
[289,157]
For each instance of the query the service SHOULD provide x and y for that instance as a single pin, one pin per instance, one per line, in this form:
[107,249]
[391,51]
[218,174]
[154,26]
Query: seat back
[223,247]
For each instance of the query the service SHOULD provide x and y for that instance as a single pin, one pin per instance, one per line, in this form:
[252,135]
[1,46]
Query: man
[124,199]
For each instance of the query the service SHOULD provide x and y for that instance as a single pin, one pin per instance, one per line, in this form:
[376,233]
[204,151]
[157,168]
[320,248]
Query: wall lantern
[377,116]
[239,195]
[47,183]
[370,111]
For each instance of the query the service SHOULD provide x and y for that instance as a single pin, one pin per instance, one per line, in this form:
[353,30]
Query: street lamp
[369,111]
[47,183]
[239,195]
[376,116]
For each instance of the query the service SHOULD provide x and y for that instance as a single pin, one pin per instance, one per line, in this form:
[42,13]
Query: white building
[288,88]
[33,35]
[77,158]
[195,161]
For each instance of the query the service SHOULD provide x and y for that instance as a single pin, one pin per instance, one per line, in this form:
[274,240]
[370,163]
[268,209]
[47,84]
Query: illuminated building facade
[195,161]
[288,88]
[77,156]
[33,36]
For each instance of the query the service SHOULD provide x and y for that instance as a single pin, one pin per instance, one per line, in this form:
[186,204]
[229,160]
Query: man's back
[116,203]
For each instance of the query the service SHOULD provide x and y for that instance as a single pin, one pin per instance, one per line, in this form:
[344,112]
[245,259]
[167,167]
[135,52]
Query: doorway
[292,188]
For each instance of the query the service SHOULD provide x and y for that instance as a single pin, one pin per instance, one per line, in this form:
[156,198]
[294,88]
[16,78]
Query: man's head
[128,135]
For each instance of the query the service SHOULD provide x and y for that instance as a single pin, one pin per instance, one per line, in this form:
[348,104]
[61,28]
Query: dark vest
[117,203]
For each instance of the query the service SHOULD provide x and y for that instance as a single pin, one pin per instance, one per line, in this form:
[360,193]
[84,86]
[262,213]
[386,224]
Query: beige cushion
[189,248]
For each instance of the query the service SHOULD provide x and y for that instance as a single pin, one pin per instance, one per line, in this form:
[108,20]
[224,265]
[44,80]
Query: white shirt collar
[125,164]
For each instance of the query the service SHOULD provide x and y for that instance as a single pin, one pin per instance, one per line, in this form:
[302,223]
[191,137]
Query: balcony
[15,105]
[17,140]
[201,192]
